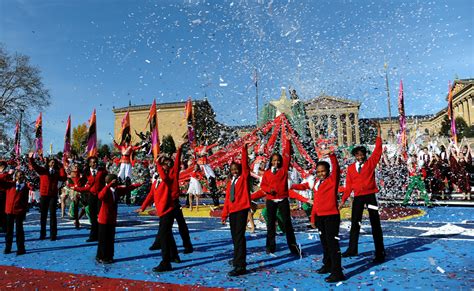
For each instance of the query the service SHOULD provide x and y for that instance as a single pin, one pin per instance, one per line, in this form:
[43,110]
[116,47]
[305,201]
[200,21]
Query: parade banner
[67,141]
[188,115]
[402,139]
[451,116]
[155,139]
[92,136]
[39,136]
[125,131]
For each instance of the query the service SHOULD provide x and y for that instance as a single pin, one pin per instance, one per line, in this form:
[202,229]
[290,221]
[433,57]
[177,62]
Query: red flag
[188,112]
[39,136]
[67,141]
[155,139]
[125,132]
[451,116]
[92,136]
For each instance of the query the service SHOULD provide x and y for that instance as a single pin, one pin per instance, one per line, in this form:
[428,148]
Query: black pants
[329,229]
[182,226]
[238,223]
[3,215]
[356,218]
[13,219]
[48,203]
[105,246]
[284,207]
[213,190]
[94,207]
[168,244]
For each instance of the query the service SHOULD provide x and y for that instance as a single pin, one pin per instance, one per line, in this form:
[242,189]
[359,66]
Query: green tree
[22,92]
[462,130]
[167,145]
[79,138]
[104,150]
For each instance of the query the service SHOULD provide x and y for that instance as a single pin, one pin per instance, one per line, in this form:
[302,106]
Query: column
[465,115]
[329,125]
[356,127]
[340,141]
[470,109]
[348,130]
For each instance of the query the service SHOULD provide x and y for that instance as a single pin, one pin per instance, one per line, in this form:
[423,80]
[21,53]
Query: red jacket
[363,183]
[175,172]
[325,197]
[241,189]
[277,182]
[94,184]
[162,195]
[16,201]
[108,209]
[48,182]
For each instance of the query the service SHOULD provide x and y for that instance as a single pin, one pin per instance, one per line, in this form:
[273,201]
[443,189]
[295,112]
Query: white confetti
[339,284]
[441,270]
[373,207]
[372,273]
[336,237]
[147,61]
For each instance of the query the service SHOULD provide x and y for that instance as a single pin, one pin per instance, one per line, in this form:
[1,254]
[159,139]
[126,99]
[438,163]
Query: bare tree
[22,92]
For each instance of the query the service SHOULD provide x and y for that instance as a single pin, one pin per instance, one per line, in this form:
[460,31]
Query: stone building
[463,106]
[334,117]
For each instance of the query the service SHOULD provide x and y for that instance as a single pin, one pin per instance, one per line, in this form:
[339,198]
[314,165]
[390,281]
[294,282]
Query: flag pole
[390,132]
[256,92]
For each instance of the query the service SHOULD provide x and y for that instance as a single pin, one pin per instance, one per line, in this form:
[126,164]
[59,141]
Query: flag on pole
[188,113]
[39,136]
[67,141]
[92,136]
[451,116]
[125,132]
[17,148]
[155,139]
[402,139]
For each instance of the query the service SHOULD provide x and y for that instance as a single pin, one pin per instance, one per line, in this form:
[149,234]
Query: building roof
[158,106]
[326,100]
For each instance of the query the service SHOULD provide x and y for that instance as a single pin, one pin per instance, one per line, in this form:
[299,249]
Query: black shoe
[347,254]
[335,278]
[99,260]
[176,260]
[323,270]
[6,252]
[91,240]
[154,247]
[162,268]
[379,259]
[42,237]
[237,271]
[188,250]
[270,251]
[53,238]
[295,250]
[107,261]
[20,252]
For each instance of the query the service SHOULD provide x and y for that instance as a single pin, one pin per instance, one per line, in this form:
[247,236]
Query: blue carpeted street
[429,252]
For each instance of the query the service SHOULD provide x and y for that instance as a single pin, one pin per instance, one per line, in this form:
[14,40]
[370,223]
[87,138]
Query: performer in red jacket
[95,183]
[162,195]
[16,207]
[325,215]
[236,207]
[361,180]
[110,196]
[49,178]
[275,187]
[177,213]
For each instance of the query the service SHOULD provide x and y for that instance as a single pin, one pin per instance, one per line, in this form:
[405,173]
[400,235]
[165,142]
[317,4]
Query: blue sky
[100,54]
